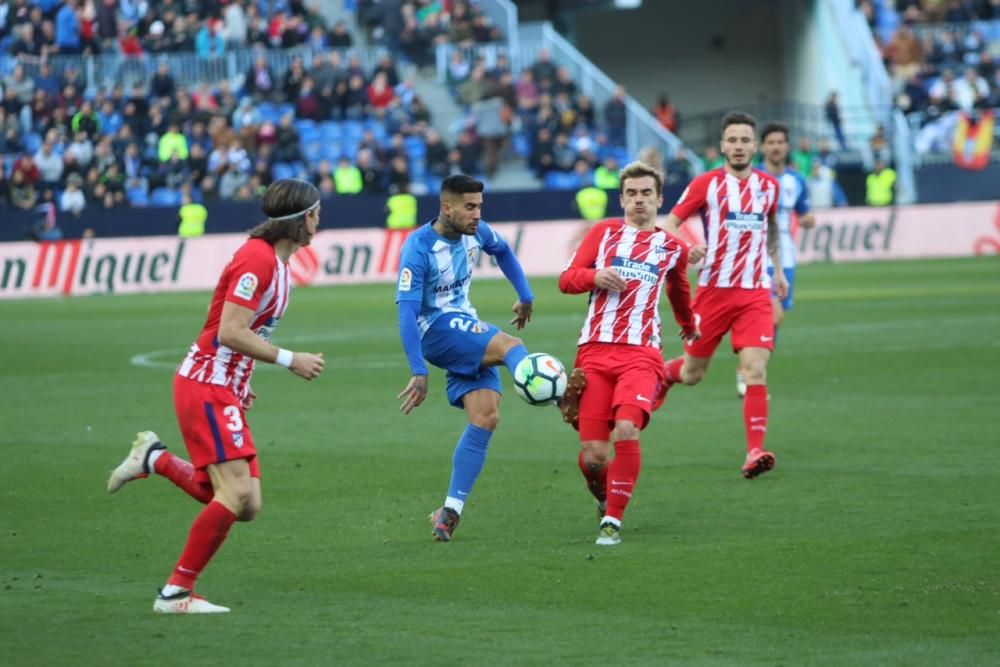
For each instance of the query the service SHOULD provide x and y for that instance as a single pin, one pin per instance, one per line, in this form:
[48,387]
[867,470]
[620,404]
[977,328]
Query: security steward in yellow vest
[402,211]
[880,185]
[192,217]
[592,202]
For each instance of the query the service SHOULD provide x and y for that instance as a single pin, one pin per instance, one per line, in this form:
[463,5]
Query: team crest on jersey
[246,286]
[472,254]
[237,440]
[405,280]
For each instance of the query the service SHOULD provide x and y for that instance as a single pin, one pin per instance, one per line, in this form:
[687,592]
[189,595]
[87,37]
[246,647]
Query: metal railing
[503,13]
[641,128]
[108,69]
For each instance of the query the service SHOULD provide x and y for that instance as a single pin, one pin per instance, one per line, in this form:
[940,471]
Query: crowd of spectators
[943,56]
[412,29]
[69,144]
[208,28]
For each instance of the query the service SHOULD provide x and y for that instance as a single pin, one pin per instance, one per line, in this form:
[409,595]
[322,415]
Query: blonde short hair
[638,170]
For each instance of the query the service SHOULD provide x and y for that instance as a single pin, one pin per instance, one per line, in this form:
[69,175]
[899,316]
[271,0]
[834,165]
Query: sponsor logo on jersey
[744,222]
[629,269]
[405,280]
[238,440]
[246,286]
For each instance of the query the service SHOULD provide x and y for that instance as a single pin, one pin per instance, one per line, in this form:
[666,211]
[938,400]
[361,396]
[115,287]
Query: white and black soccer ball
[540,378]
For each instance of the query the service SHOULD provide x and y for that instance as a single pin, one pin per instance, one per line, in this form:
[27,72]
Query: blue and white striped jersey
[437,272]
[793,195]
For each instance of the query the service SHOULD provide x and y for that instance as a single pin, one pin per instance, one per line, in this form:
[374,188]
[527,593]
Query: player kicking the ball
[623,264]
[212,390]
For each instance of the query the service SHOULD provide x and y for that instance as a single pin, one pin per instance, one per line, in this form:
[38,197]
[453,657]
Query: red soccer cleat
[758,462]
[569,405]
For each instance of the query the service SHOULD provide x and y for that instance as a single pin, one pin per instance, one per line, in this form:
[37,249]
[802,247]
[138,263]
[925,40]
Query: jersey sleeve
[492,243]
[802,201]
[579,274]
[412,271]
[250,274]
[692,199]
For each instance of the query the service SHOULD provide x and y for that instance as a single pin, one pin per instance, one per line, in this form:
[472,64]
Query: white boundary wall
[352,256]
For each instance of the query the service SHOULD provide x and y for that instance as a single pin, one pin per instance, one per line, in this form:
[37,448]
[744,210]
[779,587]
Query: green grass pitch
[874,541]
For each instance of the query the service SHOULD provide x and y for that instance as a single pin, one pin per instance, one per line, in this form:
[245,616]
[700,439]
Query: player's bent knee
[487,420]
[755,372]
[625,430]
[692,376]
[595,453]
[249,512]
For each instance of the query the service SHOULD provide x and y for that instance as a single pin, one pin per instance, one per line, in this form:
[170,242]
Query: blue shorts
[456,343]
[786,303]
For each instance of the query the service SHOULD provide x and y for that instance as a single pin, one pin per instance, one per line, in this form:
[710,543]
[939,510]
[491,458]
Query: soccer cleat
[741,384]
[186,602]
[136,464]
[569,406]
[758,462]
[608,535]
[445,521]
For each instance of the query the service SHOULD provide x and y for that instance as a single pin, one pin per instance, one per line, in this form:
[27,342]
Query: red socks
[597,478]
[623,471]
[755,415]
[673,369]
[207,534]
[181,473]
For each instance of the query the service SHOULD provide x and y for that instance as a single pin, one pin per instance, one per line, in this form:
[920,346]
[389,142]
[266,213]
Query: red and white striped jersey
[254,278]
[645,259]
[735,213]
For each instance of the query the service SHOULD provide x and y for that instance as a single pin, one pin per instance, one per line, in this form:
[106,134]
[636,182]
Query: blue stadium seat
[312,150]
[521,144]
[281,170]
[330,130]
[164,197]
[353,129]
[377,129]
[331,150]
[308,131]
[8,164]
[268,112]
[137,197]
[32,142]
[558,180]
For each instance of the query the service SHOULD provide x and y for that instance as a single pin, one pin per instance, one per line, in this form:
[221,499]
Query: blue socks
[513,357]
[466,463]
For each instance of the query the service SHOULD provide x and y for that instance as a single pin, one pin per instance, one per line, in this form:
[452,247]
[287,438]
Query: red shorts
[213,426]
[746,314]
[617,375]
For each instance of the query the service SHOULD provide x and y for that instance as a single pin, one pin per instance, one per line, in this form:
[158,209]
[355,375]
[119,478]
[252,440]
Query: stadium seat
[281,170]
[330,130]
[521,144]
[353,129]
[558,180]
[32,142]
[137,197]
[312,150]
[164,197]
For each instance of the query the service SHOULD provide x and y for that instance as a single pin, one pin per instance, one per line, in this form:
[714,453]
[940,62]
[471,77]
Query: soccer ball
[540,378]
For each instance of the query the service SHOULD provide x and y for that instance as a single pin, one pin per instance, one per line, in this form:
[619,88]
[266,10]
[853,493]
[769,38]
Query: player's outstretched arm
[514,272]
[236,334]
[581,275]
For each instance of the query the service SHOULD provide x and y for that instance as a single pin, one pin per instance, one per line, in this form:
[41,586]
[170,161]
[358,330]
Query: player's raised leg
[139,463]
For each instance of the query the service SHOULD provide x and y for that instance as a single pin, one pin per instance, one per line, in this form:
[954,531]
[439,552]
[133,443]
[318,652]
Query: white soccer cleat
[136,464]
[741,384]
[186,602]
[608,535]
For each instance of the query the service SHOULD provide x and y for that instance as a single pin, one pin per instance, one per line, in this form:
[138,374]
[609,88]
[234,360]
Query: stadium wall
[352,256]
[705,55]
